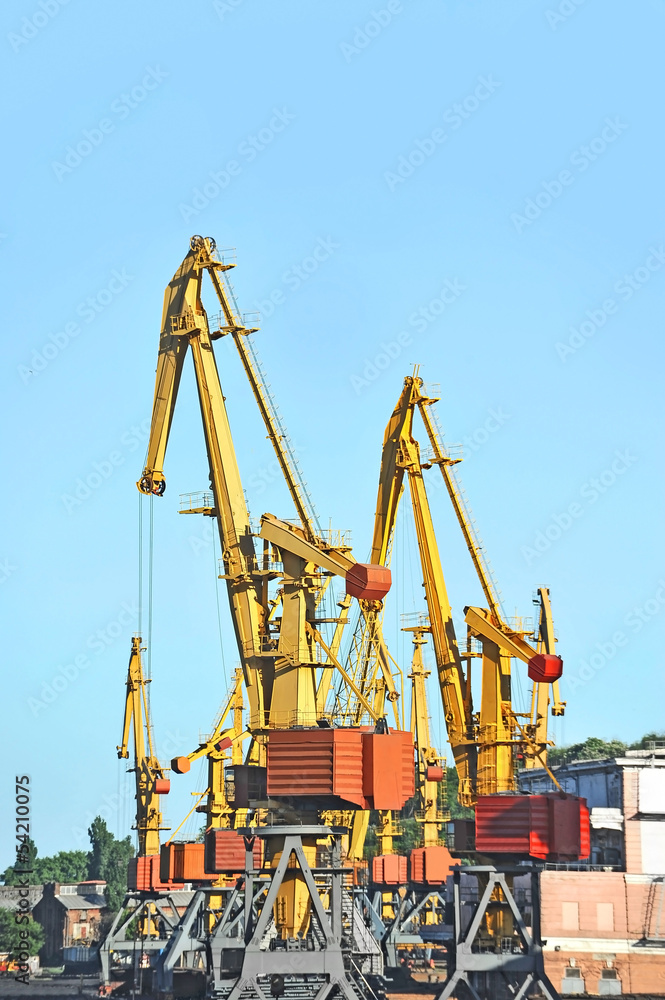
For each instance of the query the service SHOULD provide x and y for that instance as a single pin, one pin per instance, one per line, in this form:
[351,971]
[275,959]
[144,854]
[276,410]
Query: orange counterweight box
[552,827]
[389,869]
[225,852]
[430,865]
[143,874]
[183,861]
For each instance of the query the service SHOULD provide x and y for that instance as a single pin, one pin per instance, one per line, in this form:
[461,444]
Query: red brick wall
[597,895]
[593,892]
[639,973]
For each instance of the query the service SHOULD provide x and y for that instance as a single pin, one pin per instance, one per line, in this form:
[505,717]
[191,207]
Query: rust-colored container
[316,763]
[507,824]
[183,861]
[417,866]
[143,874]
[225,852]
[552,827]
[430,865]
[368,581]
[389,869]
[162,786]
[388,769]
[545,668]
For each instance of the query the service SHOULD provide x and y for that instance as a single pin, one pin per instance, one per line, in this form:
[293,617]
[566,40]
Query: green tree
[65,866]
[11,939]
[592,748]
[643,744]
[25,863]
[108,860]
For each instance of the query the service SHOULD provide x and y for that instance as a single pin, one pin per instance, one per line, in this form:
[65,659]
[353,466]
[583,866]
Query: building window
[570,916]
[609,984]
[572,982]
[605,917]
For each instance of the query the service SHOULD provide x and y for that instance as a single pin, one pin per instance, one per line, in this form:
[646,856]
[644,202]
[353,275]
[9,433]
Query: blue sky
[482,180]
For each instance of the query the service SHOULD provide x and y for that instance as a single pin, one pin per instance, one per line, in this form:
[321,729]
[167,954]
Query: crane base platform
[487,968]
[244,954]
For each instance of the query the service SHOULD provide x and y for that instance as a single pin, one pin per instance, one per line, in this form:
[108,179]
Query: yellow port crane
[482,743]
[401,455]
[185,325]
[280,656]
[148,772]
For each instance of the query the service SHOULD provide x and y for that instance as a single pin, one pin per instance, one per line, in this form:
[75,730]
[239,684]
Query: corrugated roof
[9,896]
[74,902]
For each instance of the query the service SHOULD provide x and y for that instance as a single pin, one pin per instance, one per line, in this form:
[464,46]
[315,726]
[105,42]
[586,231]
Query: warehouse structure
[604,920]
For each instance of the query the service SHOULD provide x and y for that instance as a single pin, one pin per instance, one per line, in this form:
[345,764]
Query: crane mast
[148,772]
[429,764]
[483,743]
[184,325]
[401,455]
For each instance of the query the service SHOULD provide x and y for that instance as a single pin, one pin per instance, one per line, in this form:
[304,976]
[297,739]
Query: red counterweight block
[545,668]
[388,772]
[552,827]
[162,786]
[389,869]
[143,874]
[430,865]
[368,581]
[225,852]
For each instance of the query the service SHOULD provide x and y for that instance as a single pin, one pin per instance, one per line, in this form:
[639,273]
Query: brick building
[71,916]
[604,921]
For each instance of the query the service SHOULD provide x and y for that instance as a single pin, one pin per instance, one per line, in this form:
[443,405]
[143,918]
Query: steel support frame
[526,967]
[134,904]
[399,932]
[184,938]
[325,965]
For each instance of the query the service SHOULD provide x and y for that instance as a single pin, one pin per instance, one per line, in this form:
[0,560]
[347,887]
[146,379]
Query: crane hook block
[544,668]
[368,581]
[180,765]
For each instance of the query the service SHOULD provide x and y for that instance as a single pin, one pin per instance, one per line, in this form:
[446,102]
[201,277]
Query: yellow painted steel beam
[147,768]
[184,324]
[401,455]
[507,640]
